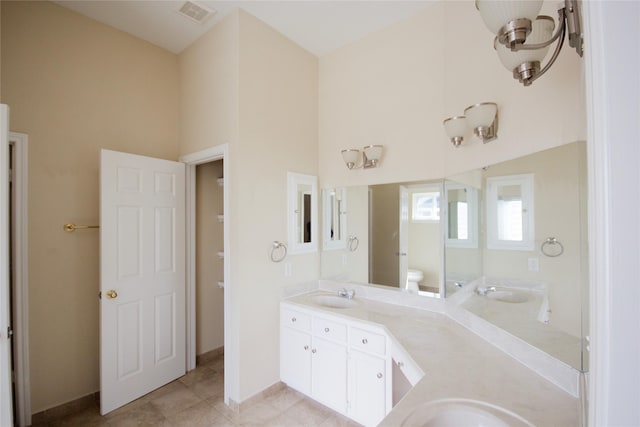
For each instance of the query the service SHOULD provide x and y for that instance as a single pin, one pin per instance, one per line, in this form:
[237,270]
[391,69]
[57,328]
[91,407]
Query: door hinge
[100,295]
[9,332]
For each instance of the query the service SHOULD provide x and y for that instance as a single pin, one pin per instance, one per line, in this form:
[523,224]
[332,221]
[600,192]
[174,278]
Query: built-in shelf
[220,182]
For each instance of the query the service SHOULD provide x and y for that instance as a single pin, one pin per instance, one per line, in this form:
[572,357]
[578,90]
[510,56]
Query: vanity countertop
[457,364]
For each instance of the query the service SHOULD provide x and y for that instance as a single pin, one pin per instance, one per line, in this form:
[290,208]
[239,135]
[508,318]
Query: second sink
[508,295]
[333,301]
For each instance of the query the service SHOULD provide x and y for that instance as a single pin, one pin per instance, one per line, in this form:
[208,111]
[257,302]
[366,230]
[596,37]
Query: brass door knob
[112,294]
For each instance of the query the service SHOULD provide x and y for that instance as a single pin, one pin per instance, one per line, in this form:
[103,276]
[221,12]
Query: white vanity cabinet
[329,363]
[295,350]
[313,357]
[342,364]
[369,387]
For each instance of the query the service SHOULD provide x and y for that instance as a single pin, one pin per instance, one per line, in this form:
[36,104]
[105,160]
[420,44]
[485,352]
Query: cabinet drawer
[371,342]
[329,329]
[295,319]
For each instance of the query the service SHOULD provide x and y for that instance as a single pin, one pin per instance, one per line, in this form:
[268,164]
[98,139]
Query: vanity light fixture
[368,158]
[523,38]
[456,128]
[481,117]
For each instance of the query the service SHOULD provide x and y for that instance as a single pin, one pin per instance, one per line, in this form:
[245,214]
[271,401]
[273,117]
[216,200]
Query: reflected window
[510,216]
[425,206]
[459,221]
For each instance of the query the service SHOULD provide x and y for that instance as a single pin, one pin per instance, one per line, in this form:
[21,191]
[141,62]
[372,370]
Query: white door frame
[614,206]
[218,152]
[403,236]
[20,279]
[6,404]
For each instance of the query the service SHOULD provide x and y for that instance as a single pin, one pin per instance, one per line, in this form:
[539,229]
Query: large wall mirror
[537,208]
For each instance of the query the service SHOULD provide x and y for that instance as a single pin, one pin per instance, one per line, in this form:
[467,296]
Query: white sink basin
[509,295]
[334,301]
[463,412]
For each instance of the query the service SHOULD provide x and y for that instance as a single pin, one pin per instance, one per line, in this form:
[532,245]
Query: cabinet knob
[326,329]
[400,364]
[306,347]
[313,350]
[293,319]
[364,341]
[379,375]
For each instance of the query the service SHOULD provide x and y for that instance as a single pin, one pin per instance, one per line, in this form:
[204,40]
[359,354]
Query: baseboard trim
[209,355]
[65,409]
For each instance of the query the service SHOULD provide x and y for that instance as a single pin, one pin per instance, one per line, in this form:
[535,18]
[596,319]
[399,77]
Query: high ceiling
[318,26]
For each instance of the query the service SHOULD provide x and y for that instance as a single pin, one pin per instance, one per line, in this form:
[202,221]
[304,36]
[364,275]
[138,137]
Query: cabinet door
[295,359]
[367,388]
[329,374]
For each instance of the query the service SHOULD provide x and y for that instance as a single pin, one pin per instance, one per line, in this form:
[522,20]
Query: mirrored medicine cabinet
[302,213]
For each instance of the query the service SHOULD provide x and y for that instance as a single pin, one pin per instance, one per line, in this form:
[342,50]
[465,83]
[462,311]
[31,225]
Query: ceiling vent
[196,12]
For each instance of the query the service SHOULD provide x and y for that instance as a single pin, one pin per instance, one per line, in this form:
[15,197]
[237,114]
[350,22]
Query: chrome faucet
[349,294]
[484,291]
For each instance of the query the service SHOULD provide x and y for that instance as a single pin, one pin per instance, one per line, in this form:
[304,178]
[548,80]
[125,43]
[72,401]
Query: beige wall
[76,86]
[386,89]
[209,266]
[396,86]
[268,105]
[209,88]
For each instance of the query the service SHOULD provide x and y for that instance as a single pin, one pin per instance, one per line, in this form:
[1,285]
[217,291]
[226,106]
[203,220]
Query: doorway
[213,154]
[209,261]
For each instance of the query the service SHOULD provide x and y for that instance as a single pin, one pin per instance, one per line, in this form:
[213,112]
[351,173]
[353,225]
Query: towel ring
[353,243]
[278,247]
[547,247]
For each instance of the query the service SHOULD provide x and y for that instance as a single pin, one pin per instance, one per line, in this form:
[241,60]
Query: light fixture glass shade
[455,126]
[497,13]
[373,152]
[350,157]
[481,115]
[542,31]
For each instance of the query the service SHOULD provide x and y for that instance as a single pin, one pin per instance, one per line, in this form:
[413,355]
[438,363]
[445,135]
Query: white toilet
[413,278]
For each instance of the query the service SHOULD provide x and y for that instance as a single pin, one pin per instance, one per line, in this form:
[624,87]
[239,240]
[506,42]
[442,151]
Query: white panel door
[6,404]
[142,276]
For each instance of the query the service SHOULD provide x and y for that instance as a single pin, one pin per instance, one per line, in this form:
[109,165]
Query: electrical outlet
[533,264]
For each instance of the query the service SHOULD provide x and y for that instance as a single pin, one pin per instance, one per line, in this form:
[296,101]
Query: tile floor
[196,399]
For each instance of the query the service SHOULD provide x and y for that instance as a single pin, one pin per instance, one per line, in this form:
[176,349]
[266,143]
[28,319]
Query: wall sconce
[369,159]
[523,38]
[482,118]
